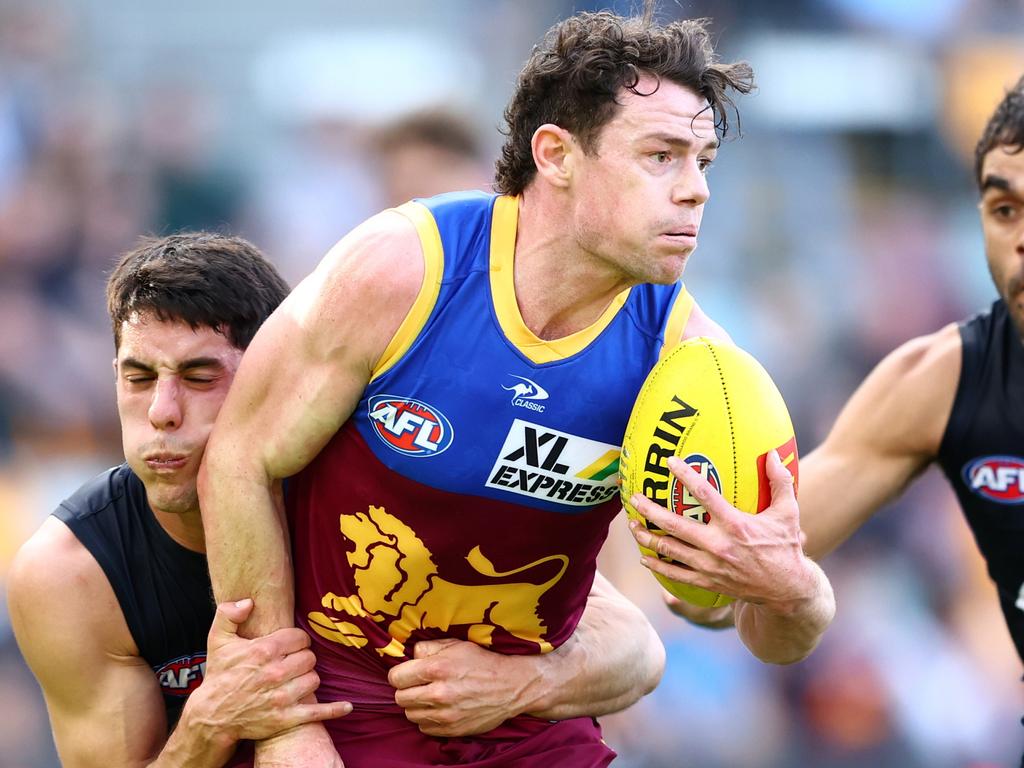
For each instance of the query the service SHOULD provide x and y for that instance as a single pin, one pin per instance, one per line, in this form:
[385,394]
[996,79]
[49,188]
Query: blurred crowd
[841,224]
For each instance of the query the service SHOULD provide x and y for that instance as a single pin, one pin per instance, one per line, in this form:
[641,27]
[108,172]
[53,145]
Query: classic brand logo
[555,466]
[182,675]
[409,426]
[525,392]
[683,502]
[996,478]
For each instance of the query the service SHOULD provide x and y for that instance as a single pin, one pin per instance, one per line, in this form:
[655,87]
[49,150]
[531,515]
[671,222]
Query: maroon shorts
[374,740]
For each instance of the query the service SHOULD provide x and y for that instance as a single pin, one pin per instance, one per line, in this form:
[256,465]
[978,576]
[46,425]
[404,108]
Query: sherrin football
[714,406]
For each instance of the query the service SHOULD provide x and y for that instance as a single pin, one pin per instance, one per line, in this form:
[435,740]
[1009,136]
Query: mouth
[166,462]
[688,233]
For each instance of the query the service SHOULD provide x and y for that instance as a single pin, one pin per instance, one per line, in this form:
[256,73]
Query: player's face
[171,382]
[1002,221]
[639,196]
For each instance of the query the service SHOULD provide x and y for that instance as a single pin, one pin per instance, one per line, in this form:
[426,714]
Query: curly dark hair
[200,278]
[1004,128]
[575,74]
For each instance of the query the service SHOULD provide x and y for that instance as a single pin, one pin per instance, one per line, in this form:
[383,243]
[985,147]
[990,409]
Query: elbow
[791,636]
[654,667]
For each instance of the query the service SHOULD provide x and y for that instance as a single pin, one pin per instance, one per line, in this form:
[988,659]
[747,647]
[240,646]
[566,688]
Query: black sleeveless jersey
[163,588]
[982,453]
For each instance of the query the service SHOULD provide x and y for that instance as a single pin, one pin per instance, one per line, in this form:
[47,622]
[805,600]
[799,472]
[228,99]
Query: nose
[165,411]
[691,187]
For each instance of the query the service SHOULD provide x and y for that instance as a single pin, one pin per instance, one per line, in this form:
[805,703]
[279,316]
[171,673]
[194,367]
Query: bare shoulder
[921,376]
[906,401]
[700,324]
[368,281]
[62,606]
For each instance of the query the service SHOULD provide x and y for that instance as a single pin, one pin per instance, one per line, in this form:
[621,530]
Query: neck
[560,287]
[186,528]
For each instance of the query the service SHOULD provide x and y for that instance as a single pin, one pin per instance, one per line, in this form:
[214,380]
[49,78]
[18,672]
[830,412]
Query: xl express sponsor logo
[409,426]
[555,466]
[996,478]
[182,675]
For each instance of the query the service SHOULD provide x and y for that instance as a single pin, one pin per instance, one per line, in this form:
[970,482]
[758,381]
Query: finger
[416,697]
[314,713]
[226,621]
[426,648]
[781,481]
[690,531]
[410,673]
[287,640]
[664,545]
[295,690]
[683,575]
[705,493]
[293,665]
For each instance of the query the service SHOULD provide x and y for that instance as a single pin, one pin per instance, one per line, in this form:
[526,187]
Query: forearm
[787,632]
[613,659]
[196,742]
[247,544]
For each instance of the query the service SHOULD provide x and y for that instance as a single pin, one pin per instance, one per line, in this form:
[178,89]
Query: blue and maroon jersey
[470,491]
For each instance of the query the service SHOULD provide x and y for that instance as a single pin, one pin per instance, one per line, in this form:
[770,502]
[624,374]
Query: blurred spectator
[428,153]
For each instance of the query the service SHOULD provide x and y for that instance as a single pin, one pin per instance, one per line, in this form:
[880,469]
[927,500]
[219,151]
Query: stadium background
[843,223]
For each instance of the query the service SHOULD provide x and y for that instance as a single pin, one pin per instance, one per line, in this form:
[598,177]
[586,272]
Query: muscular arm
[887,434]
[298,382]
[104,701]
[457,688]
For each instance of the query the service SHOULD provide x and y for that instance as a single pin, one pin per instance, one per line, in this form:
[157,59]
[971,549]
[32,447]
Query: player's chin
[667,269]
[173,498]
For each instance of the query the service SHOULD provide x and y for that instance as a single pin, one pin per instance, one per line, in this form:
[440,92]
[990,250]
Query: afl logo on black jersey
[182,675]
[996,478]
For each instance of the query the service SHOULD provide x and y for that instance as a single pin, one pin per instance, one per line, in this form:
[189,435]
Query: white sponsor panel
[555,466]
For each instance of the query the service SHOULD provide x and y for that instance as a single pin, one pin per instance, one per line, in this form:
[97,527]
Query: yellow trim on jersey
[503,293]
[433,270]
[677,319]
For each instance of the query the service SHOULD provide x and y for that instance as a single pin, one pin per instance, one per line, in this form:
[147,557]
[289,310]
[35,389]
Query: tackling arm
[104,700]
[457,688]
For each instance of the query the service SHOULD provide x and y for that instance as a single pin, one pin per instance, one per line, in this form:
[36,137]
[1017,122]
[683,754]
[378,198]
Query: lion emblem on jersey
[398,584]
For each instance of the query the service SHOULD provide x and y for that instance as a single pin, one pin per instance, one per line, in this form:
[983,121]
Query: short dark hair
[575,74]
[203,279]
[1004,129]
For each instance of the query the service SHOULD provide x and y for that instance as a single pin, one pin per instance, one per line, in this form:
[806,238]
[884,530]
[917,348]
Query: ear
[553,153]
[114,363]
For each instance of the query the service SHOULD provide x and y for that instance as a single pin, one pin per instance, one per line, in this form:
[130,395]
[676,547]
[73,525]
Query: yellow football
[712,405]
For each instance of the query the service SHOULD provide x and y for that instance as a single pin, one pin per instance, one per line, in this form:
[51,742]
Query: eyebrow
[681,141]
[186,365]
[996,182]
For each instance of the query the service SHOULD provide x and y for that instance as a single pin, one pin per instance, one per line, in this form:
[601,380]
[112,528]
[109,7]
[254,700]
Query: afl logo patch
[683,503]
[409,426]
[182,675]
[996,478]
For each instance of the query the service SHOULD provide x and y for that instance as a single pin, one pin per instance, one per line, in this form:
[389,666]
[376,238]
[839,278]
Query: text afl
[996,478]
[409,426]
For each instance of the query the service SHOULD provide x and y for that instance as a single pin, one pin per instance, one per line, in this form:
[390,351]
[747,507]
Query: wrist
[537,677]
[199,720]
[546,677]
[810,593]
